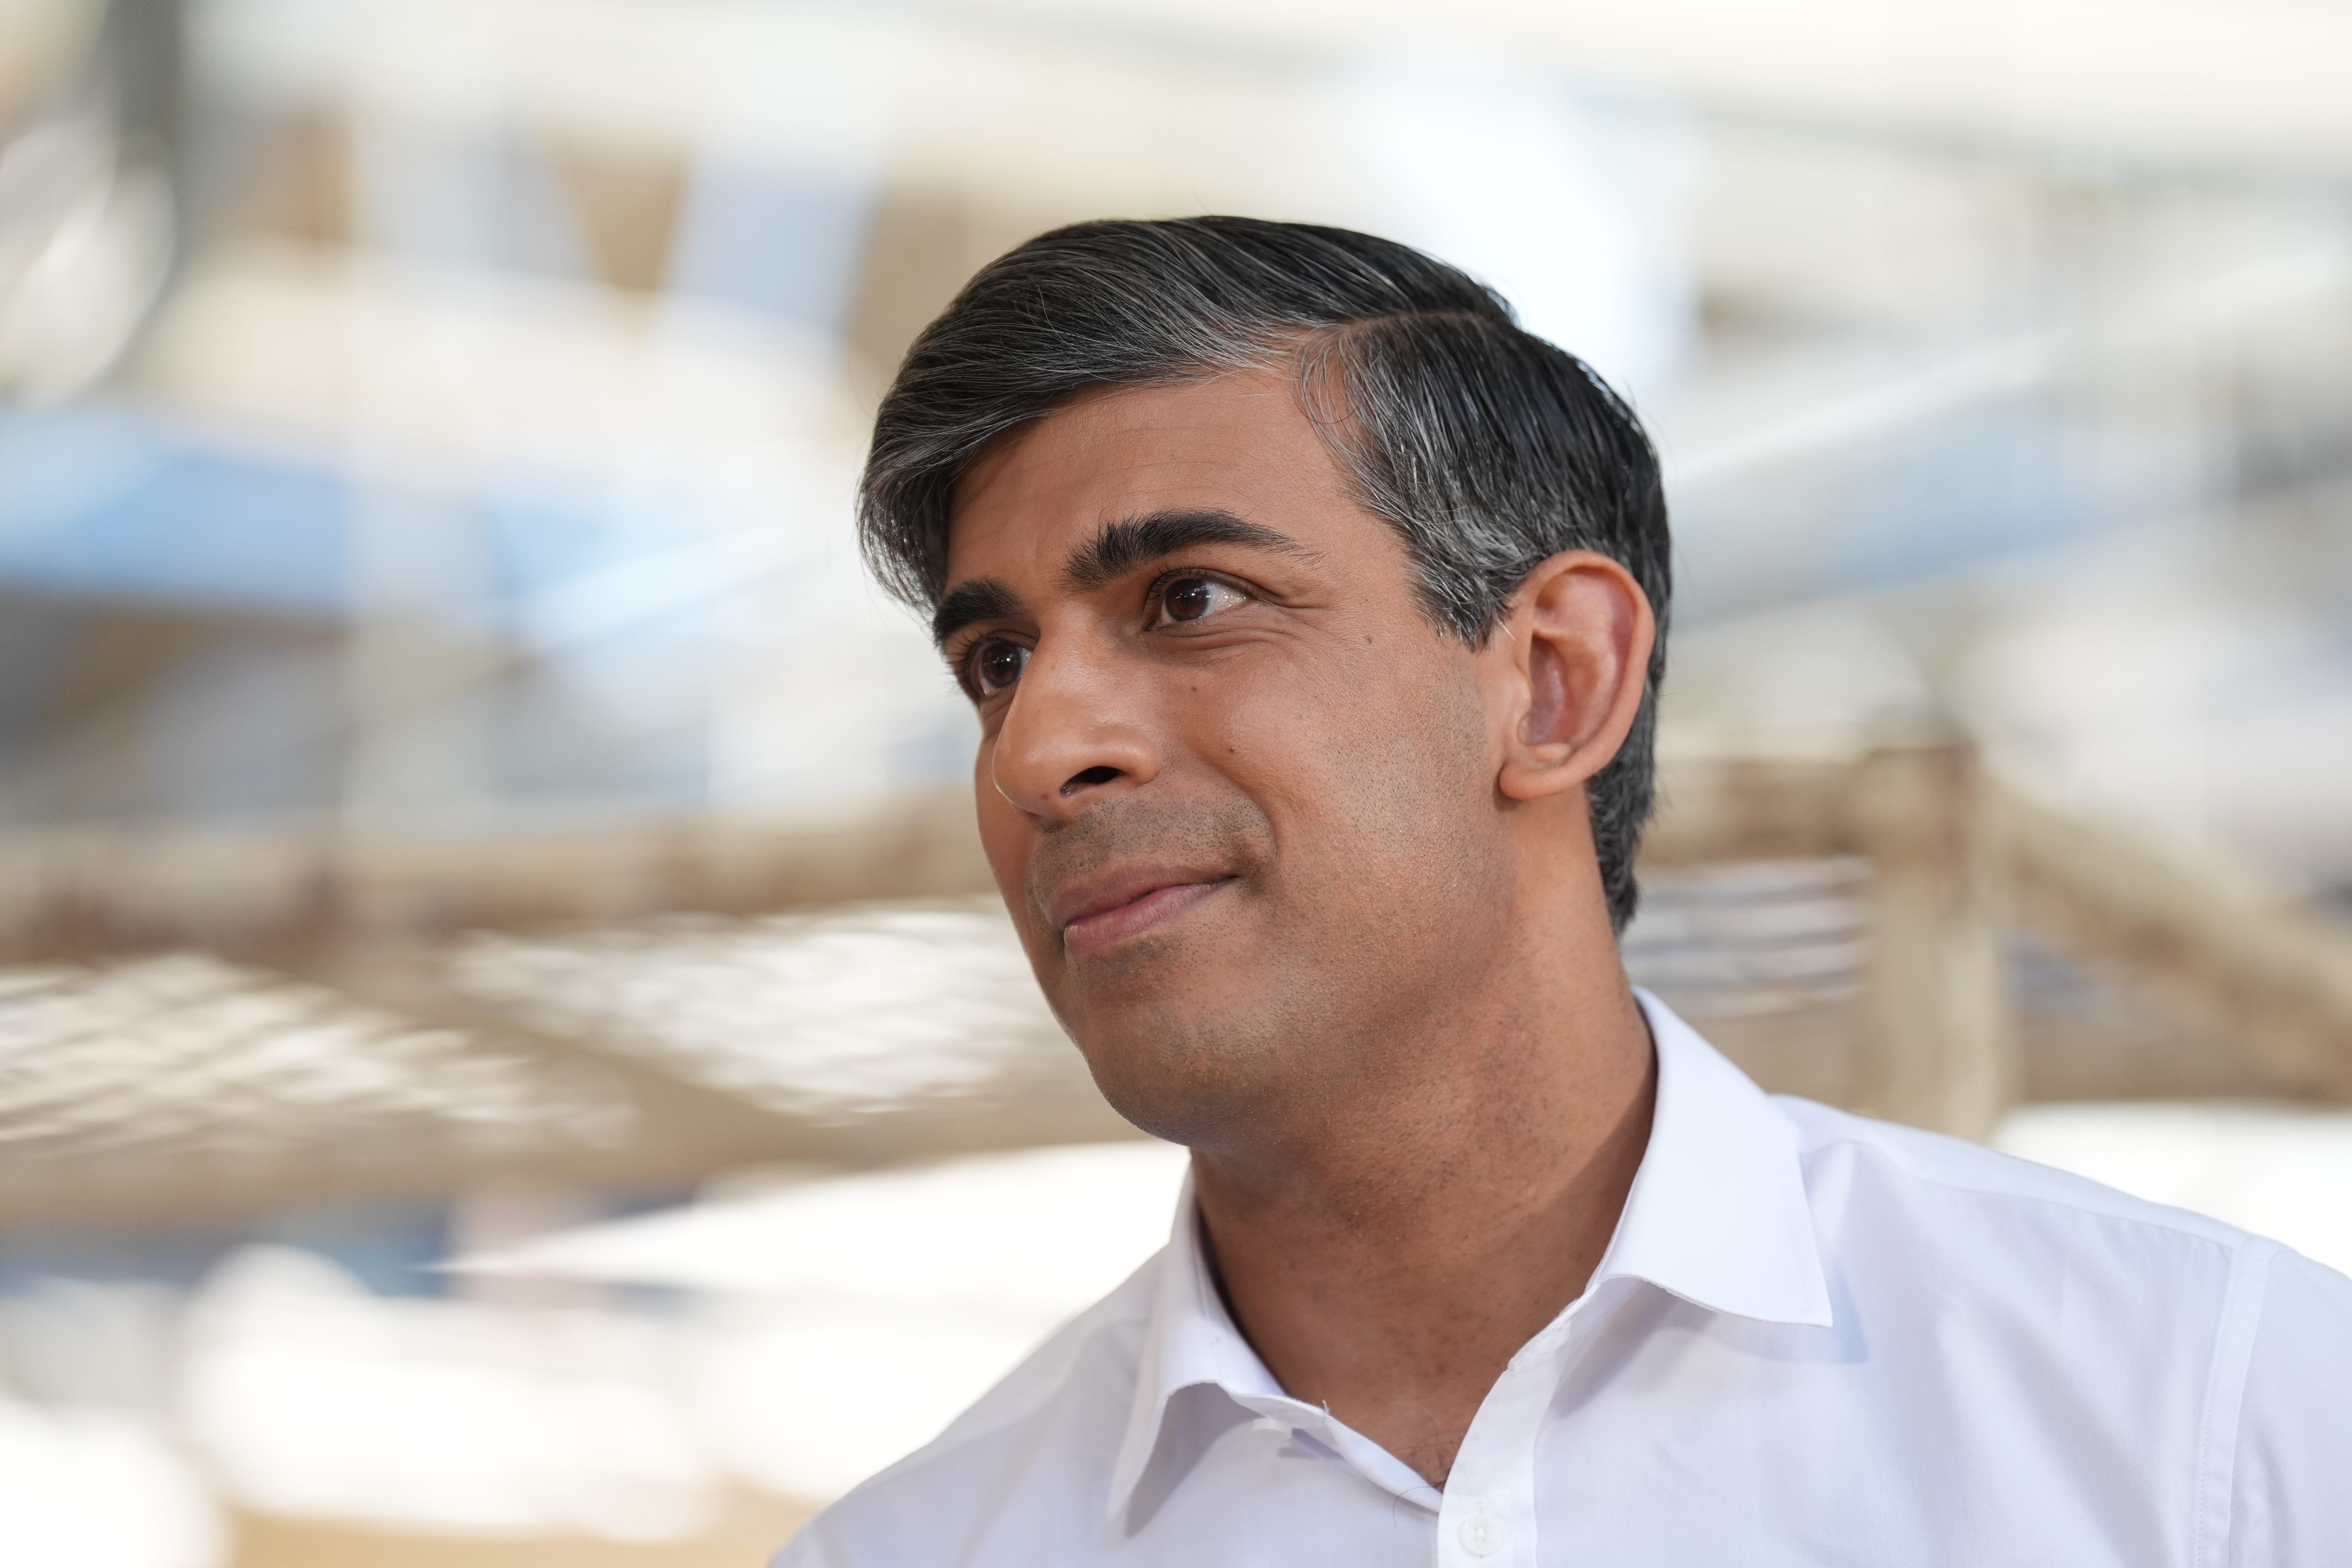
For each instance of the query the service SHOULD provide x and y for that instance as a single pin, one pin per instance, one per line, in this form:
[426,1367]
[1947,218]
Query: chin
[1227,1026]
[1197,1109]
[1199,1070]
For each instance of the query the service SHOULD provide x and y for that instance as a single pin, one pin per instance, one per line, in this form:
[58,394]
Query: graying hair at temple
[1486,447]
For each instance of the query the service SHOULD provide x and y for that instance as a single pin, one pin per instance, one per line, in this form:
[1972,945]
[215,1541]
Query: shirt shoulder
[1045,1434]
[2120,1301]
[2116,1324]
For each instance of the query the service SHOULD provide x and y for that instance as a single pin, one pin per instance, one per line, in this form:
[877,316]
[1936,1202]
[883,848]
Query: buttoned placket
[1487,1517]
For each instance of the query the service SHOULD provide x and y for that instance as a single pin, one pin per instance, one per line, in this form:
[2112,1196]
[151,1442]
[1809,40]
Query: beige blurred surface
[752,1532]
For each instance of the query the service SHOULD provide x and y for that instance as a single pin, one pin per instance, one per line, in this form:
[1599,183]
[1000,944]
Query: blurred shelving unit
[192,1020]
[196,1022]
[1898,932]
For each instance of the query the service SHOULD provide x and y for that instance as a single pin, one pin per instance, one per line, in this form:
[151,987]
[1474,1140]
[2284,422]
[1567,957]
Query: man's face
[1238,790]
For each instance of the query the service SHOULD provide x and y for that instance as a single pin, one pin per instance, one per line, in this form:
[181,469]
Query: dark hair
[1485,447]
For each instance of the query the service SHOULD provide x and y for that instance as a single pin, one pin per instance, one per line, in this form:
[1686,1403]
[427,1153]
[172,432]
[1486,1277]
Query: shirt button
[1480,1534]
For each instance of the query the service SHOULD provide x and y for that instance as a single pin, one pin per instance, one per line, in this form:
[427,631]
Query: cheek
[1369,775]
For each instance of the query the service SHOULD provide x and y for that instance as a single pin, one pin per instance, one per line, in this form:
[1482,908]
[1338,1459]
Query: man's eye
[996,664]
[1197,598]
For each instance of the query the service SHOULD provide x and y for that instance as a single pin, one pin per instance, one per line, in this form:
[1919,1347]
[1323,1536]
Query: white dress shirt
[1813,1339]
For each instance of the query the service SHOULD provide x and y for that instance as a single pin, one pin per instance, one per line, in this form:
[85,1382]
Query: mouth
[1110,910]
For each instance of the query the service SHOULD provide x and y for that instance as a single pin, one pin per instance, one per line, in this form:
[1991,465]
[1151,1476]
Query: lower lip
[1134,918]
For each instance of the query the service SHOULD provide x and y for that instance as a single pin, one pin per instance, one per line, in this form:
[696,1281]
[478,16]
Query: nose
[1068,738]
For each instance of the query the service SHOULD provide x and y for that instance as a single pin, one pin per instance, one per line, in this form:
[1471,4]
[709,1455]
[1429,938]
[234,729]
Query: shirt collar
[1717,1215]
[1190,1339]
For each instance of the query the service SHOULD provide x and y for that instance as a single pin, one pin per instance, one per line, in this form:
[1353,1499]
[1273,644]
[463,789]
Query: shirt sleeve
[2291,1486]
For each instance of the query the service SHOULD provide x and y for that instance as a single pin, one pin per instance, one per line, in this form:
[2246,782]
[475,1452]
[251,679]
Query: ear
[1565,671]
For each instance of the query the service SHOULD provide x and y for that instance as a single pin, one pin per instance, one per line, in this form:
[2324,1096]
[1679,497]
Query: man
[1313,615]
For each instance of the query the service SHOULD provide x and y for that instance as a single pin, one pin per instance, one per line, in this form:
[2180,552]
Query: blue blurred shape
[112,504]
[785,243]
[107,503]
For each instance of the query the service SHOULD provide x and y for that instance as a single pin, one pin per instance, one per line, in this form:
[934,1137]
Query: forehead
[1237,442]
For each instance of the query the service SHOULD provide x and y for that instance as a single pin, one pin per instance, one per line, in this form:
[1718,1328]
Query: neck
[1389,1265]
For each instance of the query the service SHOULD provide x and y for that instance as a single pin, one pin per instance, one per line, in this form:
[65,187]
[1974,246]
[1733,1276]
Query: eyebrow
[982,599]
[1119,548]
[1116,549]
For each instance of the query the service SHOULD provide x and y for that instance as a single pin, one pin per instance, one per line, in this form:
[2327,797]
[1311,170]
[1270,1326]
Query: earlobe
[1576,638]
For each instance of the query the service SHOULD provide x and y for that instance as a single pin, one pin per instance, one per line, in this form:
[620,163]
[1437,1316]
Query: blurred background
[507,1052]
